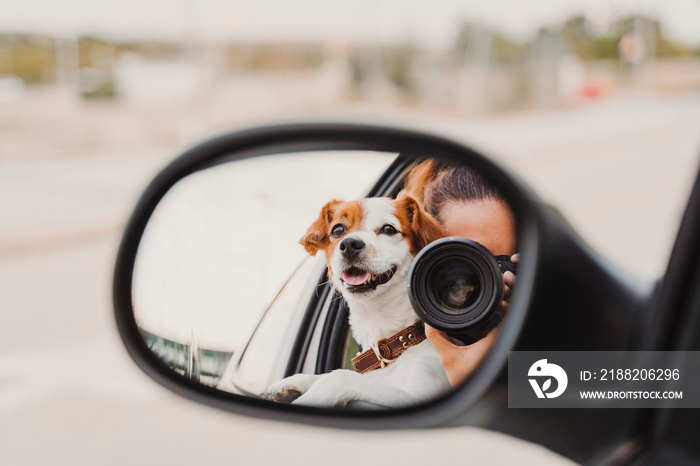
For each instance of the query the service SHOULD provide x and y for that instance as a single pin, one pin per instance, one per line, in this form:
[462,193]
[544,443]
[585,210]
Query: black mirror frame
[313,137]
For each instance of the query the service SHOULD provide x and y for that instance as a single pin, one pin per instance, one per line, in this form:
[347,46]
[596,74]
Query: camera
[456,285]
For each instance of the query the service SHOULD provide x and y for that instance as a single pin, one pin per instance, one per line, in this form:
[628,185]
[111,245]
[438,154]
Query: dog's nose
[350,247]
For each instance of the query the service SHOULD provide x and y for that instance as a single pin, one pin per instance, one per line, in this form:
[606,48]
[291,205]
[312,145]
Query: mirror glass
[263,276]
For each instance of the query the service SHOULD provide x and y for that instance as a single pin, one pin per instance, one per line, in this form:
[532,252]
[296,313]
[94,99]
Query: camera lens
[455,285]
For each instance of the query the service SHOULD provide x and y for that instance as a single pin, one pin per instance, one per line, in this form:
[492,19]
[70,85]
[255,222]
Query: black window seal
[300,348]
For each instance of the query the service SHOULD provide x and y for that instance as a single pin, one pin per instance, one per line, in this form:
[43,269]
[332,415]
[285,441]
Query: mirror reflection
[331,279]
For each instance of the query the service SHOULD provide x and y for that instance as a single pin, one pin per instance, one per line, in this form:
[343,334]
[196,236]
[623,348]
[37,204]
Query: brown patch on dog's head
[318,236]
[420,227]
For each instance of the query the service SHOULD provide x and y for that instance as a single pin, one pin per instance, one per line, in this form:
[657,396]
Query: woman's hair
[437,183]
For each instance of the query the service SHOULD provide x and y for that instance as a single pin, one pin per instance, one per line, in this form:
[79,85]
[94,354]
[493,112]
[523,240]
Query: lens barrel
[455,285]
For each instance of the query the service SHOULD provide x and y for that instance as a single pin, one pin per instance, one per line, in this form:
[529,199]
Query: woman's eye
[338,231]
[388,230]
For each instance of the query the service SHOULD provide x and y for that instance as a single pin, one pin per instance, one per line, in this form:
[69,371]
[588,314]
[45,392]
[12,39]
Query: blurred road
[620,170]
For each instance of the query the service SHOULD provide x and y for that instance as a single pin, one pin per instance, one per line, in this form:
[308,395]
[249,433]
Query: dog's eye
[338,231]
[388,230]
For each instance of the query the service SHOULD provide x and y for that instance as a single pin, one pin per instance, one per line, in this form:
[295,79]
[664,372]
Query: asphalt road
[620,170]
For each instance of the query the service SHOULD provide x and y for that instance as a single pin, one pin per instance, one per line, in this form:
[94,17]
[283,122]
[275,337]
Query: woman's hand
[460,362]
[509,280]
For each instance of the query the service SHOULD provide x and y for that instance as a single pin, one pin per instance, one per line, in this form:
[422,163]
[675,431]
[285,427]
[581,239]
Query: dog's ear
[418,178]
[418,225]
[316,236]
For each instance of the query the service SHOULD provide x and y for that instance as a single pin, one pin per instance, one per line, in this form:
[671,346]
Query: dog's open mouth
[356,279]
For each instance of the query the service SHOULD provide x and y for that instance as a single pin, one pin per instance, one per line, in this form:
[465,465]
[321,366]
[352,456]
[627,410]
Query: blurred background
[596,104]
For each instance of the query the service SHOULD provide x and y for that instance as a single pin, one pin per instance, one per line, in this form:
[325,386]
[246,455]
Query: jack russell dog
[369,246]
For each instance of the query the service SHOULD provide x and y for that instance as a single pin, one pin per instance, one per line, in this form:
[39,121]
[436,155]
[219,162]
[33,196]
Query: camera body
[456,285]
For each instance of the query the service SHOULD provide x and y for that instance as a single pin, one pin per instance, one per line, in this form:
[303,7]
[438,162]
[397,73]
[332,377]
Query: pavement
[620,169]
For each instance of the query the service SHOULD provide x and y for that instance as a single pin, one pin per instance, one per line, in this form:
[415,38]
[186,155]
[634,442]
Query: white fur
[416,375]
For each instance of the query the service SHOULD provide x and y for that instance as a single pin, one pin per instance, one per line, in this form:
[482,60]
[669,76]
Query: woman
[466,205]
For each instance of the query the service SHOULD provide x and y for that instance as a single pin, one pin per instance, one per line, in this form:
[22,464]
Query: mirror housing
[554,308]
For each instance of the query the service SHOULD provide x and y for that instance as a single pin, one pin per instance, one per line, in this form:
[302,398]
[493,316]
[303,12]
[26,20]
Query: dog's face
[368,243]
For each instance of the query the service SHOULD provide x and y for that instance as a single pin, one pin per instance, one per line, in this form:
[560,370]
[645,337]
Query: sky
[426,22]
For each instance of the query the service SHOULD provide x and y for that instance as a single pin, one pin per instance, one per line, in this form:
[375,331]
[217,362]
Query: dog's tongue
[355,279]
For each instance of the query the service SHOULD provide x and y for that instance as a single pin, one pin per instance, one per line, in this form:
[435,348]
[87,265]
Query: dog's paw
[333,390]
[286,395]
[289,389]
[321,400]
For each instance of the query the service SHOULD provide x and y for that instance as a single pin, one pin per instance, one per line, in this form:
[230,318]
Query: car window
[350,351]
[264,358]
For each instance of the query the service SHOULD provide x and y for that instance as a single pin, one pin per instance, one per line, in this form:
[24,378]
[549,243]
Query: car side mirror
[216,299]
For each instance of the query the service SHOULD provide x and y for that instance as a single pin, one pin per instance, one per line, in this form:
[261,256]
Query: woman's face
[486,221]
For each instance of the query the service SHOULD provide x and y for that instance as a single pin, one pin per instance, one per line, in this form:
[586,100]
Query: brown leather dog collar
[386,351]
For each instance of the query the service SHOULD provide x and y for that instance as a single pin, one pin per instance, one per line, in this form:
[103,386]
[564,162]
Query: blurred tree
[651,29]
[96,52]
[274,56]
[393,64]
[30,57]
[469,44]
[397,64]
[581,39]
